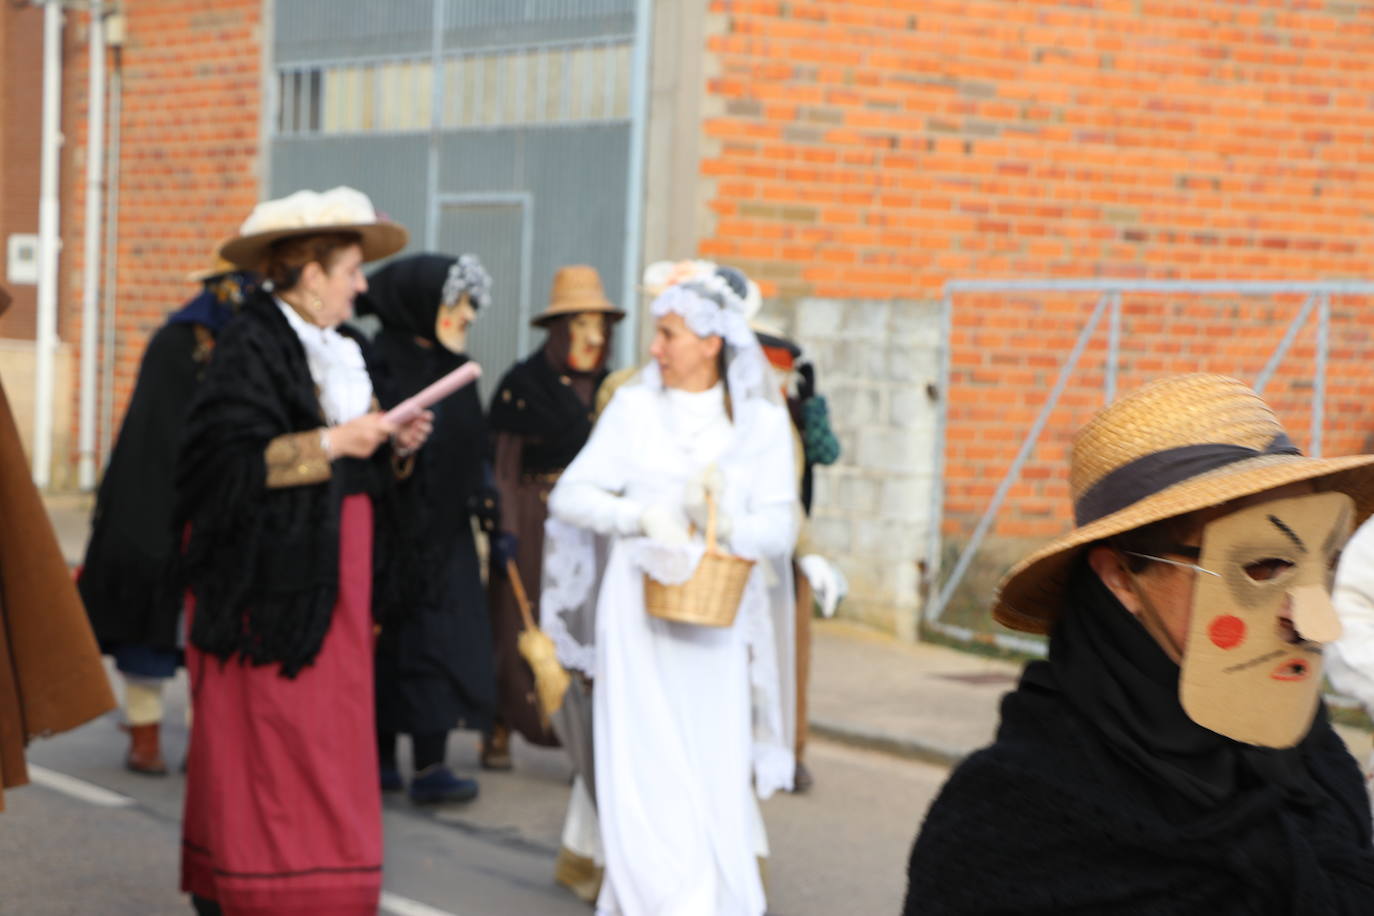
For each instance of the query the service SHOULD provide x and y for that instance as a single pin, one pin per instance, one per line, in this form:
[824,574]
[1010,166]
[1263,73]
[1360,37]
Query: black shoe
[802,780]
[436,784]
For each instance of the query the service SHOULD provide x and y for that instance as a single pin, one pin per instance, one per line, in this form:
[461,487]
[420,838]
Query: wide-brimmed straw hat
[576,289]
[218,269]
[1175,446]
[341,209]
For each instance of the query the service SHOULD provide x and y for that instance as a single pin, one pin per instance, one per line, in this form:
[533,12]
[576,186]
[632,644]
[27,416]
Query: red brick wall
[21,122]
[878,148]
[189,159]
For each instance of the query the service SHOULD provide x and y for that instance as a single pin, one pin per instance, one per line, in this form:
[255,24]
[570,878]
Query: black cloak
[435,671]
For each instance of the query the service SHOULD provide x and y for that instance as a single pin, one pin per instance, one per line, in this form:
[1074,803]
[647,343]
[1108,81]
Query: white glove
[665,525]
[828,584]
[709,481]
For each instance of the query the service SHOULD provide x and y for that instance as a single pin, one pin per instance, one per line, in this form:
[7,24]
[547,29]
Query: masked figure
[540,419]
[124,577]
[1173,753]
[434,670]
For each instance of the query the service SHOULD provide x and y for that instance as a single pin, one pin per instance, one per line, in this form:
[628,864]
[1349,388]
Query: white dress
[685,717]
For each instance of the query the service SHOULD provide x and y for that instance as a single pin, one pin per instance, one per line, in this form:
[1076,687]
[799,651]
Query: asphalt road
[839,849]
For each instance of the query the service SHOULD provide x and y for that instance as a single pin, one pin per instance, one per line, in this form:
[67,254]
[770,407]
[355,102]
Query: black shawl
[1099,795]
[263,563]
[547,404]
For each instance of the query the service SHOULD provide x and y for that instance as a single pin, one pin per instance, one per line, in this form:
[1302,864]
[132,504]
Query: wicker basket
[711,597]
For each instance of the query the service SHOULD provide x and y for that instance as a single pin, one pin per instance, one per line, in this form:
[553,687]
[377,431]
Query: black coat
[124,578]
[435,671]
[1100,796]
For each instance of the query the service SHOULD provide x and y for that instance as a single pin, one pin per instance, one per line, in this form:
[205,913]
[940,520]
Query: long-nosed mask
[1252,665]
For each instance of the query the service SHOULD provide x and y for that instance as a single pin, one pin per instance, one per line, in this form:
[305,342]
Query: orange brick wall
[874,149]
[21,122]
[189,159]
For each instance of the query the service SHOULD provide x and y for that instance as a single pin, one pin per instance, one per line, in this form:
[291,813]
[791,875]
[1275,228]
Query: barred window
[551,84]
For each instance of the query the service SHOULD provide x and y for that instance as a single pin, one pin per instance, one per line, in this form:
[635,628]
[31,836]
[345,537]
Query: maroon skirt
[283,815]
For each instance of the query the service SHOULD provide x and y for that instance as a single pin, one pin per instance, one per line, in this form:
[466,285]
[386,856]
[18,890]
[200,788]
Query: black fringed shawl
[263,563]
[1100,795]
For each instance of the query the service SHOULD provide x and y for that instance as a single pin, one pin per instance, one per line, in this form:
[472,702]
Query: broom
[550,679]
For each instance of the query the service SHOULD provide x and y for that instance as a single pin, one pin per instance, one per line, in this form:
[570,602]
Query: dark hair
[284,259]
[1157,538]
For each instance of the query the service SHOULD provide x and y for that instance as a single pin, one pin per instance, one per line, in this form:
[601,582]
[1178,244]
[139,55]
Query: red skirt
[283,814]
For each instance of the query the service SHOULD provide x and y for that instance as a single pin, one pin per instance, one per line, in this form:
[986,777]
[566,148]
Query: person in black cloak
[123,578]
[1173,753]
[540,418]
[435,670]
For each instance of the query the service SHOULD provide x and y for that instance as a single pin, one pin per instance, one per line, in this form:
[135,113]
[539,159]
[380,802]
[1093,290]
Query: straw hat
[218,269]
[1175,446]
[576,289]
[342,209]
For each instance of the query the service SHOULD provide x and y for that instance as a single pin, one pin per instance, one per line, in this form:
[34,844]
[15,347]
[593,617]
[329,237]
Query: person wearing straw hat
[539,419]
[124,574]
[1173,753]
[687,717]
[434,669]
[294,544]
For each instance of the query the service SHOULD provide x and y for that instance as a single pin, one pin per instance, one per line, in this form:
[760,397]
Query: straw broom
[550,679]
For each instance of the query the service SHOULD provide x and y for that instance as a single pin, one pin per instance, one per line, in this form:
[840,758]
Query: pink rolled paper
[408,409]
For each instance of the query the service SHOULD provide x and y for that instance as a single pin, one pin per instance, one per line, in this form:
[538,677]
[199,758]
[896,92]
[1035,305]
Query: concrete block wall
[877,364]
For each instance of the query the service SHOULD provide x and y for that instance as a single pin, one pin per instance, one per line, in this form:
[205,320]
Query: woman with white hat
[1173,754]
[284,494]
[687,718]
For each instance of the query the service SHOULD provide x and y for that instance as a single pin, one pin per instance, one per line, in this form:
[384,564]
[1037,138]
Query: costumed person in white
[687,719]
[1350,659]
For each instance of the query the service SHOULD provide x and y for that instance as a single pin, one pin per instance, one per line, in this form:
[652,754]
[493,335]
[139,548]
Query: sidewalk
[920,701]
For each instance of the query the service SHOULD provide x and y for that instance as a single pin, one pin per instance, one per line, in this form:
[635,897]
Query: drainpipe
[48,242]
[90,300]
[628,338]
[114,37]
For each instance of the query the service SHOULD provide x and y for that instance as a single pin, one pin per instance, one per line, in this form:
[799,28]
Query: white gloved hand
[708,482]
[828,584]
[665,525]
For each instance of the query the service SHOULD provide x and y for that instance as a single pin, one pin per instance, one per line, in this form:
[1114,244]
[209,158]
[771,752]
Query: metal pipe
[1027,447]
[49,242]
[90,299]
[1319,374]
[108,350]
[1294,326]
[627,338]
[1113,347]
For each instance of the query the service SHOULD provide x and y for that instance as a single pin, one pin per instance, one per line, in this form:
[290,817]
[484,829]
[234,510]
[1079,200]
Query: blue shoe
[391,779]
[436,784]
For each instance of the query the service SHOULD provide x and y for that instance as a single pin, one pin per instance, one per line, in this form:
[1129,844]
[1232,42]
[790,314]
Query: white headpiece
[710,308]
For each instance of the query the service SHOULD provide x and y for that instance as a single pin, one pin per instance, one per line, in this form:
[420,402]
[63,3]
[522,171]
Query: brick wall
[189,159]
[877,148]
[21,121]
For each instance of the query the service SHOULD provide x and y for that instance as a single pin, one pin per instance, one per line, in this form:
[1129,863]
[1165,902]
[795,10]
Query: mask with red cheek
[1252,665]
[587,333]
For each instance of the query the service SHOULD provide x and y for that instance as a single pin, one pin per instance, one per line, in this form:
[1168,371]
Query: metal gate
[506,128]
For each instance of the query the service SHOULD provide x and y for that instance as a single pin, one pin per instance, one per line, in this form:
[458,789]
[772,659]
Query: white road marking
[404,906]
[77,788]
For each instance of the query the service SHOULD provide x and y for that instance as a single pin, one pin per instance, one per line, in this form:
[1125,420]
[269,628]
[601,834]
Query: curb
[874,739]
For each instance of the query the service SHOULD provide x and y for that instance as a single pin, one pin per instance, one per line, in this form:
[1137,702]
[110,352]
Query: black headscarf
[1116,675]
[406,294]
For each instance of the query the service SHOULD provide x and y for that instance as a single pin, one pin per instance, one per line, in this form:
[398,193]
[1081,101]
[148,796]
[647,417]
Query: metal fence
[1108,306]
